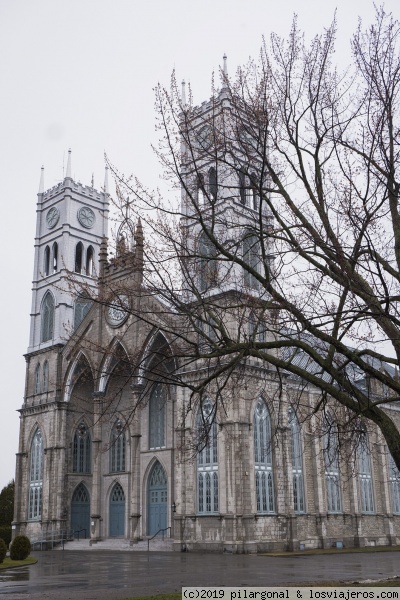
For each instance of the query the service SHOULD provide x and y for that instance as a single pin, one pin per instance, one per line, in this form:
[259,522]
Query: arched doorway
[80,510]
[157,500]
[117,511]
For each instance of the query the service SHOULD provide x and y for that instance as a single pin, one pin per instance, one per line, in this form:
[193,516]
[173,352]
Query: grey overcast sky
[80,74]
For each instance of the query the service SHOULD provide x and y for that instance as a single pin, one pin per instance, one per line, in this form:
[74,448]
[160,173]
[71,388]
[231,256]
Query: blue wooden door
[157,500]
[80,510]
[117,511]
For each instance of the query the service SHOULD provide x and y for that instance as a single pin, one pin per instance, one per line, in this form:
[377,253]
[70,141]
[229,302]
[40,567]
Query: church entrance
[117,511]
[157,500]
[80,510]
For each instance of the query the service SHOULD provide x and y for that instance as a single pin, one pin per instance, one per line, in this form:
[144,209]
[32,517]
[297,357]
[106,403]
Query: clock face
[52,217]
[117,311]
[86,217]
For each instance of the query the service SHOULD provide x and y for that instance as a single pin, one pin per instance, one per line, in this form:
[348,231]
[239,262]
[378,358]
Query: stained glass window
[297,462]
[117,448]
[36,477]
[157,412]
[207,264]
[251,256]
[45,382]
[81,308]
[207,460]
[365,474]
[47,314]
[82,450]
[394,478]
[263,459]
[331,461]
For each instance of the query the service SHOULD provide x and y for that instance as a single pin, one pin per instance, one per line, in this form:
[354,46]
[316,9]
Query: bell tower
[223,201]
[71,222]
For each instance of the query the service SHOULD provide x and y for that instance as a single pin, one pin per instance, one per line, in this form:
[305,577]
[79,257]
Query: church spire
[41,184]
[139,240]
[69,170]
[106,188]
[183,93]
[225,69]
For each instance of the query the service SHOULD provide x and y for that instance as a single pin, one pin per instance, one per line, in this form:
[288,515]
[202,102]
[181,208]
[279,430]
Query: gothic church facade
[102,446]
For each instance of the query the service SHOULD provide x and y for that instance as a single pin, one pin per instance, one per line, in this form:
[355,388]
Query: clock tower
[71,222]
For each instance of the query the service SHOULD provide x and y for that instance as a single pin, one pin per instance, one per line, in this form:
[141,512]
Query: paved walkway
[111,575]
[120,545]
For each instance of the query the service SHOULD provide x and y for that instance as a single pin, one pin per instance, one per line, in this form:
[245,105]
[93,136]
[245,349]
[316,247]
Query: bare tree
[280,238]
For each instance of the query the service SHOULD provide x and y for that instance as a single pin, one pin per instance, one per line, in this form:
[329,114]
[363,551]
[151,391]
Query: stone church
[104,446]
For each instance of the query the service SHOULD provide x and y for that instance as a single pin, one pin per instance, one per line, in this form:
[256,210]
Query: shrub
[20,548]
[3,550]
[5,533]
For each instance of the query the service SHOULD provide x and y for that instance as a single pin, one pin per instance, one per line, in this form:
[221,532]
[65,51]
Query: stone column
[135,508]
[96,532]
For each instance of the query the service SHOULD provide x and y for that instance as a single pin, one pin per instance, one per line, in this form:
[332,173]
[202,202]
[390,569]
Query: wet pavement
[112,575]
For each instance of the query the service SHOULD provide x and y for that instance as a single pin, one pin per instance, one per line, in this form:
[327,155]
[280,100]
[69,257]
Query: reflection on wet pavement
[98,575]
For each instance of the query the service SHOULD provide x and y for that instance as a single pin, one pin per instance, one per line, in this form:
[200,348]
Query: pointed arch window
[81,495]
[365,474]
[47,261]
[254,196]
[78,257]
[207,263]
[212,183]
[37,379]
[263,459]
[36,477]
[55,257]
[45,382]
[252,326]
[117,494]
[90,261]
[82,449]
[207,460]
[331,462]
[251,256]
[82,306]
[246,191]
[257,330]
[157,414]
[297,462]
[117,448]
[201,191]
[394,478]
[47,317]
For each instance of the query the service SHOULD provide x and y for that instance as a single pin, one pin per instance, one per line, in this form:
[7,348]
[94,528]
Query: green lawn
[8,563]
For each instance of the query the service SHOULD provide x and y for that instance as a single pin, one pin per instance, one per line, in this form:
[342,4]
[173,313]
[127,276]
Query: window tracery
[297,462]
[36,477]
[207,460]
[157,414]
[263,459]
[331,461]
[82,449]
[117,447]
[47,315]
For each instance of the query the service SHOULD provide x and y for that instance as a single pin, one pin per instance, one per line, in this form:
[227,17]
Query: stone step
[156,545]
